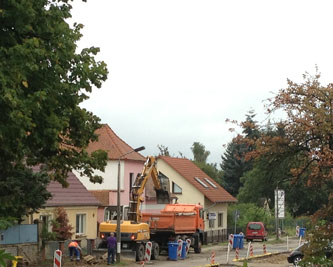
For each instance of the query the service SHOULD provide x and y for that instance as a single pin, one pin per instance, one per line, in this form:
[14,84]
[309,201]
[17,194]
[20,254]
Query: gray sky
[180,68]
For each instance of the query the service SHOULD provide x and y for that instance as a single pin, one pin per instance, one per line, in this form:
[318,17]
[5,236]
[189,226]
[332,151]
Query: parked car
[298,253]
[255,230]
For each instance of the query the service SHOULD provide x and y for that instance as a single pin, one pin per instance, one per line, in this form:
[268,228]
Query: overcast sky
[179,68]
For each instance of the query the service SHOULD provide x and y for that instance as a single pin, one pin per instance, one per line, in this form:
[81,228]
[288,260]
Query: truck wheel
[140,252]
[197,246]
[155,251]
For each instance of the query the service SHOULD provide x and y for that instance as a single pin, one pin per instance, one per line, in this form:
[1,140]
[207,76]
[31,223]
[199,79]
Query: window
[131,181]
[176,189]
[201,182]
[211,223]
[220,220]
[254,226]
[210,182]
[80,223]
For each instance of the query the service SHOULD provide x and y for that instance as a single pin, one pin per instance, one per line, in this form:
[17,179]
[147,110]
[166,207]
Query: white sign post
[279,203]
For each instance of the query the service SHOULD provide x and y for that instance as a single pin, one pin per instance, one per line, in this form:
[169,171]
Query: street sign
[279,203]
[236,214]
[212,216]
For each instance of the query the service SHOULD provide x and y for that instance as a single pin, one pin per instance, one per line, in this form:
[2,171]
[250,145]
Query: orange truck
[176,221]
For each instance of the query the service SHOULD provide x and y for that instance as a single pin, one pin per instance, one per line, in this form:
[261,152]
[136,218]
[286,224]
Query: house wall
[89,211]
[110,177]
[221,208]
[190,195]
[127,167]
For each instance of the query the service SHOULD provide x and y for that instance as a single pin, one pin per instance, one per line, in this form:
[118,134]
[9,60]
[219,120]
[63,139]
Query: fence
[21,240]
[19,234]
[215,236]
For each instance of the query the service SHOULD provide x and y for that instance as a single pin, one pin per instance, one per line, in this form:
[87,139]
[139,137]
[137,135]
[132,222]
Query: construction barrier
[237,254]
[57,258]
[228,252]
[251,249]
[188,244]
[264,248]
[180,247]
[149,246]
[231,240]
[212,258]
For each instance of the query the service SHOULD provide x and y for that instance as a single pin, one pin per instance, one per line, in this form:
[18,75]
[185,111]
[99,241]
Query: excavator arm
[162,194]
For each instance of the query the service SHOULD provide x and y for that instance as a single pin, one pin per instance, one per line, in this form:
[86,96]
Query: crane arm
[162,195]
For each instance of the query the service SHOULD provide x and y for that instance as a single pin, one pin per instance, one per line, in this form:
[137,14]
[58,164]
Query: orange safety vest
[73,244]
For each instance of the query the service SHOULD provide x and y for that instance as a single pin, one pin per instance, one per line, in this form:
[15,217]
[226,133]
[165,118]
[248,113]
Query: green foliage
[4,257]
[211,170]
[164,150]
[61,226]
[233,166]
[6,222]
[43,81]
[46,235]
[234,163]
[200,153]
[248,212]
[22,192]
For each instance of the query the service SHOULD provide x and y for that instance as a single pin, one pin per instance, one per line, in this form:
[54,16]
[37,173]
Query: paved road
[203,258]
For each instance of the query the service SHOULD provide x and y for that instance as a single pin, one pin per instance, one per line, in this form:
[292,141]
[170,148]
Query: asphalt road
[221,254]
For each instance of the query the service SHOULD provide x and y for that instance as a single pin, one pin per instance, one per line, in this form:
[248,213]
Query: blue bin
[183,256]
[172,251]
[302,232]
[238,241]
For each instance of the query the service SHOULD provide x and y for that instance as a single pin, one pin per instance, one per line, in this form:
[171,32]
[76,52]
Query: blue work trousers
[111,253]
[74,251]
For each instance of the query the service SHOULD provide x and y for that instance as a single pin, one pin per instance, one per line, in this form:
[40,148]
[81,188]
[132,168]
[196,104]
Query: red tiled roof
[102,196]
[74,195]
[110,142]
[189,171]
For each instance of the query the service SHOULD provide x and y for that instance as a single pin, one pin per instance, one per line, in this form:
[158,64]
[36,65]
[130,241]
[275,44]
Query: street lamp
[118,201]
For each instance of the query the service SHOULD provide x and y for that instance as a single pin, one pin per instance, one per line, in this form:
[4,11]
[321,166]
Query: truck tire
[197,245]
[140,252]
[155,251]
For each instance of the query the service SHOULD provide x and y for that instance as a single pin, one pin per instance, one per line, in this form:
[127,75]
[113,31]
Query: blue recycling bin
[302,232]
[238,241]
[172,251]
[183,255]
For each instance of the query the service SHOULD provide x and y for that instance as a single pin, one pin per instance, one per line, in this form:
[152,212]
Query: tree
[22,192]
[304,151]
[234,164]
[61,225]
[43,81]
[164,150]
[200,153]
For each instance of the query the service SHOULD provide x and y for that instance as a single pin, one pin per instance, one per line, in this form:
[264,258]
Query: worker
[74,248]
[112,242]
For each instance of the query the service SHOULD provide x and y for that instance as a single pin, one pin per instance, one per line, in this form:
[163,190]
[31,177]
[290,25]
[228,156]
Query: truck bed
[178,223]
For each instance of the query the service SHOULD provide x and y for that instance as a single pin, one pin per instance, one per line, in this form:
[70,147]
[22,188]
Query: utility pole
[277,213]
